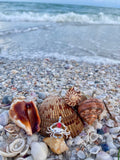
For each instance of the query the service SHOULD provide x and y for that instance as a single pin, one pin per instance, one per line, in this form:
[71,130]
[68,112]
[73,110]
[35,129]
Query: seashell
[110,123]
[4,118]
[25,150]
[14,148]
[103,156]
[110,142]
[25,115]
[89,110]
[93,137]
[73,97]
[11,128]
[52,108]
[81,154]
[114,130]
[57,145]
[95,149]
[39,150]
[117,118]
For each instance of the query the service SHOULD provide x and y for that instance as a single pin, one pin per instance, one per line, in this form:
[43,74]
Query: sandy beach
[51,76]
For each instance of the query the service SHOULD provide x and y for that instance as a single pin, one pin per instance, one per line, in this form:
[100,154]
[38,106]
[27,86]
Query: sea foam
[99,18]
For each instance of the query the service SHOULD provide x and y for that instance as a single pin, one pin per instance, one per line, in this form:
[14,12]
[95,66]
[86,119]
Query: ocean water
[37,30]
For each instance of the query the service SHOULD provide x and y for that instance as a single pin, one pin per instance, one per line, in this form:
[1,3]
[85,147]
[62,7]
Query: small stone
[39,100]
[105,147]
[39,150]
[81,154]
[100,131]
[42,95]
[7,100]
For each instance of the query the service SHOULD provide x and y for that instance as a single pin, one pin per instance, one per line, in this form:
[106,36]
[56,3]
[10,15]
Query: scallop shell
[89,110]
[57,145]
[73,97]
[25,115]
[52,108]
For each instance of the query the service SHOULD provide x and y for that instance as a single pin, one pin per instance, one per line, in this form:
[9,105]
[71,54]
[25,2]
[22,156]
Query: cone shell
[89,110]
[73,97]
[52,108]
[57,145]
[25,115]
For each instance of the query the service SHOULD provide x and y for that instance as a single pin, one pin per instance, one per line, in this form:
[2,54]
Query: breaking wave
[100,18]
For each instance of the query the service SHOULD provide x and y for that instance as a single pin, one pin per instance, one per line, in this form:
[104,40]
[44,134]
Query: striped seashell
[52,108]
[73,97]
[89,110]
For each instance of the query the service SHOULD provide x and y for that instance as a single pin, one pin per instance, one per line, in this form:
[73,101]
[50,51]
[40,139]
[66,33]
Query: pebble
[81,154]
[39,150]
[105,147]
[42,95]
[7,100]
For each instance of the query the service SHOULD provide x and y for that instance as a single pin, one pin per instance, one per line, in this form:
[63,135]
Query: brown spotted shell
[73,97]
[89,110]
[52,108]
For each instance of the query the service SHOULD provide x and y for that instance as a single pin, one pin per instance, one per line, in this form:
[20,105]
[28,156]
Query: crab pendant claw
[58,129]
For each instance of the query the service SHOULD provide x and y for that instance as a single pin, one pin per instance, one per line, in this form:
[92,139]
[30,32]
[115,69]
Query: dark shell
[52,108]
[89,110]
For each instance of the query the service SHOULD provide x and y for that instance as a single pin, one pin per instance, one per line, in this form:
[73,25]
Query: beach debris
[25,115]
[39,150]
[54,107]
[4,118]
[73,97]
[14,148]
[57,145]
[89,110]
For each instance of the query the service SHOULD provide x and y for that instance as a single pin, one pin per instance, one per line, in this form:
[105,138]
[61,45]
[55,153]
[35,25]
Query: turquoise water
[83,33]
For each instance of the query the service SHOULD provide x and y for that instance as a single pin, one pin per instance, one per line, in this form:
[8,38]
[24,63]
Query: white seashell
[110,123]
[113,151]
[14,148]
[95,149]
[4,118]
[1,127]
[24,152]
[110,142]
[103,156]
[70,142]
[33,138]
[117,118]
[93,137]
[118,138]
[19,158]
[97,124]
[81,154]
[103,114]
[78,140]
[90,129]
[115,158]
[114,130]
[39,150]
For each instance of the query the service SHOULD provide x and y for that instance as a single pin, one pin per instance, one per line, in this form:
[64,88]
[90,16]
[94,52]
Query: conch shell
[89,110]
[73,97]
[54,107]
[57,145]
[25,115]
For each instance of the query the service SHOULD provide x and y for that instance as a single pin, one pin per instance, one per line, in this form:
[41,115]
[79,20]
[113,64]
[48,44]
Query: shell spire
[73,97]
